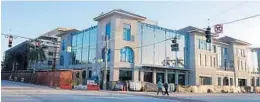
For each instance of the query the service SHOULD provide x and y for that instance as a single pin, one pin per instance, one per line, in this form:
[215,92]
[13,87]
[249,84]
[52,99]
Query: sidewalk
[197,97]
[172,96]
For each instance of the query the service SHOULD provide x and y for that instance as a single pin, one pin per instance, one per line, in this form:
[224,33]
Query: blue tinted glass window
[63,45]
[61,60]
[225,51]
[127,55]
[108,30]
[79,39]
[74,40]
[127,32]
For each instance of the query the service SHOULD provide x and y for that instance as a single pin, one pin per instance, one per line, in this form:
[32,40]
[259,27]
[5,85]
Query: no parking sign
[218,28]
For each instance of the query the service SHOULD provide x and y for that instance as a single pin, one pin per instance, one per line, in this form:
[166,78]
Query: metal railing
[225,69]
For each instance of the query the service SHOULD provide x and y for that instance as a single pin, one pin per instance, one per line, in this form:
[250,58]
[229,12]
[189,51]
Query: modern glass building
[137,50]
[84,46]
[140,50]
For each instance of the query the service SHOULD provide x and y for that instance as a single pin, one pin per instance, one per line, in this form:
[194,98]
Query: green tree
[35,54]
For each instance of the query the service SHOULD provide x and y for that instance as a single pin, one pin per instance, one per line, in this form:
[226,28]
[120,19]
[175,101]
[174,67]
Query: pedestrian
[166,88]
[159,85]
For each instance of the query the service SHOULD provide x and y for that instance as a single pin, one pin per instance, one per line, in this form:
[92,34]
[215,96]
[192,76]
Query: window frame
[127,32]
[127,55]
[108,30]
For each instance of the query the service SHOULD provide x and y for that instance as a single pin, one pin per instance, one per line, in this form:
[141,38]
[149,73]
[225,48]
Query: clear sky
[32,19]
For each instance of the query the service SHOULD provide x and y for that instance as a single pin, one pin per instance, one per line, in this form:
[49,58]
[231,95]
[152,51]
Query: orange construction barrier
[93,87]
[66,80]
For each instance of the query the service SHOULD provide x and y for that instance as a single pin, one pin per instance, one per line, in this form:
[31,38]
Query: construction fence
[62,79]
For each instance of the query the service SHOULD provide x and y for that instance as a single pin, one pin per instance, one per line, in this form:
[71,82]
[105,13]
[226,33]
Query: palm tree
[35,54]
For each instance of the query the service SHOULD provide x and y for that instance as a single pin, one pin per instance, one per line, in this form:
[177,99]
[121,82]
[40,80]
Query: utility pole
[105,70]
[54,59]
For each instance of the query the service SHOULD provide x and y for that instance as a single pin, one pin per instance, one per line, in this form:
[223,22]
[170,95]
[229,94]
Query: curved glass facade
[156,46]
[84,46]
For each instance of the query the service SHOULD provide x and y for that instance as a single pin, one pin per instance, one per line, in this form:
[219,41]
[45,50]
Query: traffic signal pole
[105,70]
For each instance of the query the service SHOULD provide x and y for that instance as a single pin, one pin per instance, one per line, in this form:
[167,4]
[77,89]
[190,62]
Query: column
[154,76]
[114,74]
[186,78]
[141,75]
[87,73]
[229,84]
[177,77]
[248,82]
[254,79]
[258,81]
[135,74]
[236,82]
[166,76]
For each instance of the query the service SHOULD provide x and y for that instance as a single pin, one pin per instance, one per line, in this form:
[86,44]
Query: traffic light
[10,41]
[174,45]
[208,35]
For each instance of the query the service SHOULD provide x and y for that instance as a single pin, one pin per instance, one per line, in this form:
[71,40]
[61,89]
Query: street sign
[69,49]
[218,28]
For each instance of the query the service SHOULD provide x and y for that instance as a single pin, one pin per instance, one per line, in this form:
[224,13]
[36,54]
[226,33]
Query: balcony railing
[255,72]
[225,69]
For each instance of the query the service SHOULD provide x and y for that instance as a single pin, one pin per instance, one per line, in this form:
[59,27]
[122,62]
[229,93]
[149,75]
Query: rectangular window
[242,65]
[241,52]
[49,62]
[211,61]
[198,41]
[238,63]
[219,81]
[127,32]
[214,48]
[50,53]
[258,82]
[63,45]
[201,45]
[225,51]
[205,60]
[214,63]
[74,41]
[61,60]
[89,73]
[108,30]
[125,75]
[205,80]
[199,60]
[237,50]
[245,65]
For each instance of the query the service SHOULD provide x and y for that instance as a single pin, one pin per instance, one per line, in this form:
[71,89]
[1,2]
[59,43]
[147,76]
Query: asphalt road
[20,92]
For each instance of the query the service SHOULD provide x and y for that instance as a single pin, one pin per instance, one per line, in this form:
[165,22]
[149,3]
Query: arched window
[225,81]
[108,54]
[127,55]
